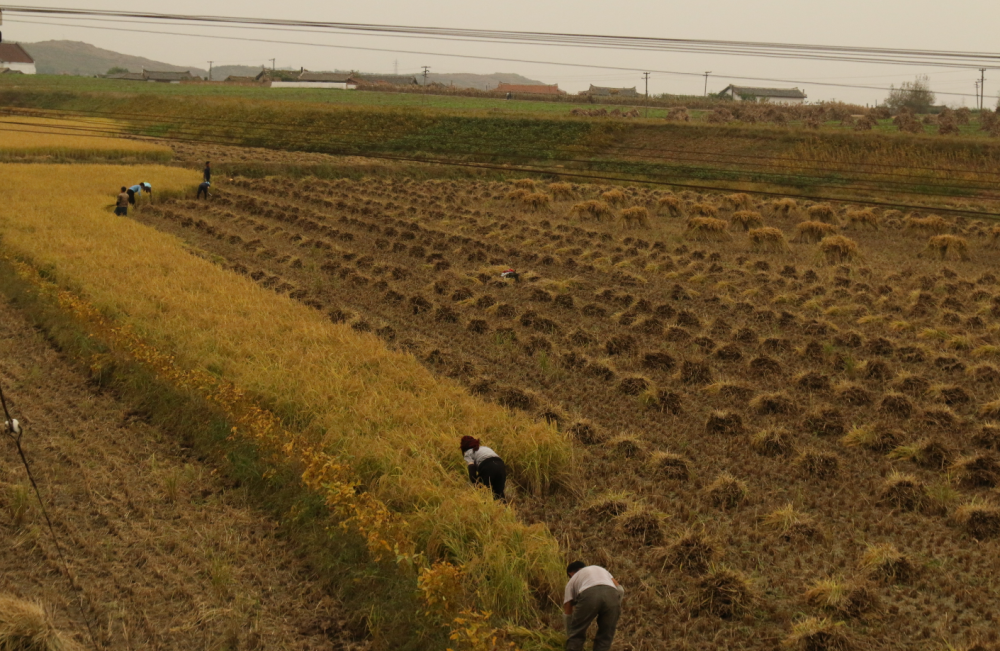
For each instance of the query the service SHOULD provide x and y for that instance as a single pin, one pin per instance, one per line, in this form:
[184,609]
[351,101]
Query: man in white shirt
[591,593]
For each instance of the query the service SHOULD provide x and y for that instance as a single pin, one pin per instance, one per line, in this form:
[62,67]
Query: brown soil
[645,336]
[162,553]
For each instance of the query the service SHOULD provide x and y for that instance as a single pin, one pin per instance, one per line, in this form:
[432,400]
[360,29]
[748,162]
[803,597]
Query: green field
[834,161]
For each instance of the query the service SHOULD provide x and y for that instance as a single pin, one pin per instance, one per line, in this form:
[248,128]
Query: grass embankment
[29,137]
[339,391]
[417,100]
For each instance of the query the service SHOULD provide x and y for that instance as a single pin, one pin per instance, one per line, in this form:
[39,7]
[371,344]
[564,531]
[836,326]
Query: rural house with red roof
[530,89]
[14,58]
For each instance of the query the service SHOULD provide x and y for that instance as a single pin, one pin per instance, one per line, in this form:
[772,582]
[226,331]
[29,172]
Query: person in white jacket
[591,593]
[485,466]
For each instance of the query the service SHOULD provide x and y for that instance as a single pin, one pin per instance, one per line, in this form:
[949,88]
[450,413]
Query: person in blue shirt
[203,189]
[138,189]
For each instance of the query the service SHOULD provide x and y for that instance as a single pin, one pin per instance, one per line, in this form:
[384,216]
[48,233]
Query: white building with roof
[14,58]
[786,96]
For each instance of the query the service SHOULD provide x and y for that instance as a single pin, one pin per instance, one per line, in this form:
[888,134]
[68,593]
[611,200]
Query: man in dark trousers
[591,593]
[121,206]
[208,172]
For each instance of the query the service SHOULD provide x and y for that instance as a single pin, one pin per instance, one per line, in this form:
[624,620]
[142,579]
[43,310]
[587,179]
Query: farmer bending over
[138,189]
[485,466]
[591,593]
[121,207]
[203,188]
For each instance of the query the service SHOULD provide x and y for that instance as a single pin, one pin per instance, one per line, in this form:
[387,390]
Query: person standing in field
[207,173]
[121,207]
[591,593]
[203,189]
[131,194]
[485,466]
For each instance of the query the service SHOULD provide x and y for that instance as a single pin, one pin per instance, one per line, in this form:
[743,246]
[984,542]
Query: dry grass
[942,245]
[903,491]
[981,520]
[837,249]
[707,229]
[863,219]
[25,626]
[596,210]
[823,212]
[670,204]
[726,593]
[727,492]
[691,552]
[884,562]
[745,220]
[930,225]
[633,217]
[785,207]
[767,240]
[845,598]
[791,523]
[562,191]
[817,634]
[613,197]
[813,231]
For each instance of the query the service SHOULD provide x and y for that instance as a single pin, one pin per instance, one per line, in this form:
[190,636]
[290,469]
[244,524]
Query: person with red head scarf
[485,466]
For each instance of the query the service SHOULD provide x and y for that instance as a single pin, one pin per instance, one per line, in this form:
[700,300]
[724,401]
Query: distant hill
[481,82]
[77,58]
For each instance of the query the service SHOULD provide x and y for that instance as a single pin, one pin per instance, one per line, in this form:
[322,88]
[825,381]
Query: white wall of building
[341,85]
[26,68]
[784,101]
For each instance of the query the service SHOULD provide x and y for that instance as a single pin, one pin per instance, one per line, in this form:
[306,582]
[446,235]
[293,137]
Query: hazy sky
[959,25]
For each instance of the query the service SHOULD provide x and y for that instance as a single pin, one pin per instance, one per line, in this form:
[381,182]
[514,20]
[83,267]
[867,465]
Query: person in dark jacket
[485,466]
[208,172]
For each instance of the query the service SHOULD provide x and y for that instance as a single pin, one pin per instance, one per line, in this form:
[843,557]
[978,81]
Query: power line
[483,58]
[735,48]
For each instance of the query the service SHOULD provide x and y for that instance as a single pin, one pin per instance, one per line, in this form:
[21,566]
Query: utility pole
[977,93]
[426,68]
[707,73]
[646,76]
[982,87]
[272,65]
[210,70]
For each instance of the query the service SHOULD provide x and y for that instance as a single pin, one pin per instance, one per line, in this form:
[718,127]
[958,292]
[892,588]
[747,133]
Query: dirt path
[162,552]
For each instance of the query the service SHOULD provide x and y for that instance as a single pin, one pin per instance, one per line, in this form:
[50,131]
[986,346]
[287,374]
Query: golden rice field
[93,138]
[380,411]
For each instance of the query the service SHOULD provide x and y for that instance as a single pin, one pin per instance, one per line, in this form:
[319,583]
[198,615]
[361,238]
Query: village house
[602,91]
[387,80]
[530,89]
[162,77]
[14,58]
[786,96]
[307,79]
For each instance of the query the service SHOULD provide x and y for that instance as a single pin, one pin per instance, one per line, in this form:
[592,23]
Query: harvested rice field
[787,414]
